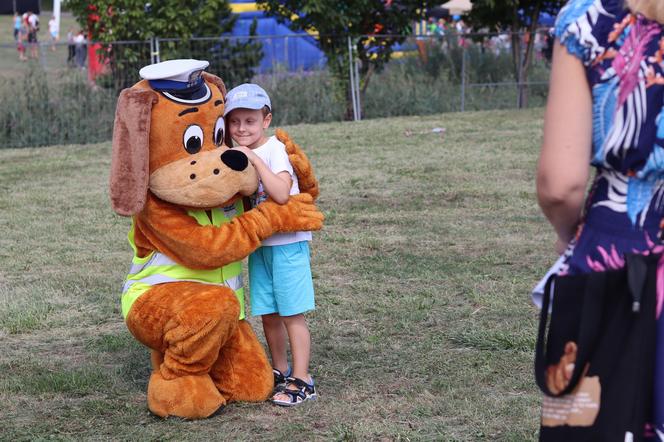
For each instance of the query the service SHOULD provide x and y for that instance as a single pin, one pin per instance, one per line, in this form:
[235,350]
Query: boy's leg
[294,295]
[300,344]
[276,337]
[264,305]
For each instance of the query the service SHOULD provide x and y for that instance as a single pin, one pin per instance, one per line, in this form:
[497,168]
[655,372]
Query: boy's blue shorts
[280,280]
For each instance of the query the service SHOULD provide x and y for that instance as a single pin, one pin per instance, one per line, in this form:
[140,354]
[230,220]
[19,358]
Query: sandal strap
[295,395]
[280,377]
[301,385]
[296,390]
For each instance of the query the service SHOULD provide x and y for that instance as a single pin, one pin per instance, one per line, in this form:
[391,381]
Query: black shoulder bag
[596,362]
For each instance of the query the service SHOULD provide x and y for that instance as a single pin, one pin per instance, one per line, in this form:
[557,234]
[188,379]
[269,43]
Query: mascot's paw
[298,214]
[303,213]
[189,397]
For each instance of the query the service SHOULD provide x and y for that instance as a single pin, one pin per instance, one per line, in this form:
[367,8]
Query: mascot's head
[168,138]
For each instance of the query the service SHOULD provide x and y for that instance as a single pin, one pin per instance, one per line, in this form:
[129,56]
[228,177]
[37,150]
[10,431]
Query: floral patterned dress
[624,59]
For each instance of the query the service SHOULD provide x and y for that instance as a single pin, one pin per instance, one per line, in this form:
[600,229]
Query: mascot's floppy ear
[216,81]
[130,161]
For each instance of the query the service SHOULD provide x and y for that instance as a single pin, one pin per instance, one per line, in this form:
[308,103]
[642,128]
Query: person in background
[32,22]
[17,25]
[21,40]
[71,48]
[441,28]
[431,26]
[604,110]
[80,49]
[53,32]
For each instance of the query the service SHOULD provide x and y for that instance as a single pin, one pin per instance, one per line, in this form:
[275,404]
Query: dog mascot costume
[173,173]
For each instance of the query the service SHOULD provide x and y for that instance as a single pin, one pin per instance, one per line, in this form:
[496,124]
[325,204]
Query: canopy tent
[299,52]
[546,19]
[437,12]
[458,6]
[7,6]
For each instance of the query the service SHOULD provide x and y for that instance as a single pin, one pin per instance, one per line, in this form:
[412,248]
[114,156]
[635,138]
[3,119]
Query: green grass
[423,328]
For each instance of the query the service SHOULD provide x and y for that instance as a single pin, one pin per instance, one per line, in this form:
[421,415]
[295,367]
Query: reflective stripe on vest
[157,268]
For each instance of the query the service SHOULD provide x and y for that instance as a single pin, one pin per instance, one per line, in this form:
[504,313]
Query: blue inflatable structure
[283,48]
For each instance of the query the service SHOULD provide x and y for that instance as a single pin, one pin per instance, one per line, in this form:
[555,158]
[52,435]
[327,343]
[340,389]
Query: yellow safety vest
[157,268]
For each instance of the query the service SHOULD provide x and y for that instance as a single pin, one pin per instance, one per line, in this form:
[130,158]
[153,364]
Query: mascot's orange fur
[203,355]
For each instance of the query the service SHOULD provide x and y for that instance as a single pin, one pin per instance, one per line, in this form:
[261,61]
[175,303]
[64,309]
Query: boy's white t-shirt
[273,153]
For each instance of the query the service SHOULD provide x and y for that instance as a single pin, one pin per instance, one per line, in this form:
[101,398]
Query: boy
[279,272]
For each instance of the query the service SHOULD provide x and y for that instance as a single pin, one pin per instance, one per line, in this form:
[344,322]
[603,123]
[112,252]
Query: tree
[519,17]
[374,27]
[109,21]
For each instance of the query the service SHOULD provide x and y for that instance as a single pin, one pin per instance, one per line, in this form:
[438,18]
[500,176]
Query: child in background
[279,271]
[71,47]
[17,25]
[53,31]
[21,39]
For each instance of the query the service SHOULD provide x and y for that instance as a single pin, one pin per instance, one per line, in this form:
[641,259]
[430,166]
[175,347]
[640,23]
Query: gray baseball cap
[247,96]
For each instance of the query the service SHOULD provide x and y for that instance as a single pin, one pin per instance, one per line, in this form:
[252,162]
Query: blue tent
[286,49]
[547,19]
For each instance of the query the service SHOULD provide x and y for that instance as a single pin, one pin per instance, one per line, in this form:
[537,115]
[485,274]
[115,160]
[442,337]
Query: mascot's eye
[193,139]
[219,128]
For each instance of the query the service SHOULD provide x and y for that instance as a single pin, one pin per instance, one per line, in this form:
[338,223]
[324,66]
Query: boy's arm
[276,185]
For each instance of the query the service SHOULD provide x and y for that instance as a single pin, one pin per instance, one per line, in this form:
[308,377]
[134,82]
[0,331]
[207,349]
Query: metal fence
[66,93]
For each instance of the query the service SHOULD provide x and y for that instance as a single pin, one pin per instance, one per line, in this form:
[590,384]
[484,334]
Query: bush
[302,97]
[62,109]
[415,85]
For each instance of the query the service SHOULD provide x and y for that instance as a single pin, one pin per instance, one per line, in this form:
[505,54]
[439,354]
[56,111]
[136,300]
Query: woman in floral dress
[606,107]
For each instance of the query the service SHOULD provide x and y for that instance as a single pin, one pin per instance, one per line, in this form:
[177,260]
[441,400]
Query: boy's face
[247,127]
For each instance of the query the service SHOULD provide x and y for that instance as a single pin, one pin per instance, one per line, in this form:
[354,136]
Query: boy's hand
[250,155]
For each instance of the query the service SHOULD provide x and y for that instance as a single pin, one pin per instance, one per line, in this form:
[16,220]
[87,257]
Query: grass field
[423,328]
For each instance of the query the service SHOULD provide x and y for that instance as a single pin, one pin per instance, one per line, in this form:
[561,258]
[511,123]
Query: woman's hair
[652,9]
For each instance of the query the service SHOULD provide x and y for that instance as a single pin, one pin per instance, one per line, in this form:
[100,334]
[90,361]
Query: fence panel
[53,98]
[433,74]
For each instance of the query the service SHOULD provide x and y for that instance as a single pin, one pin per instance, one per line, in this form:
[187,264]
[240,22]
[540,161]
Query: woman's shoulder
[583,26]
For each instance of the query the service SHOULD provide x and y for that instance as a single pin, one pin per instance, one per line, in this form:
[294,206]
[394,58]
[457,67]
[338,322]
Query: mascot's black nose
[235,159]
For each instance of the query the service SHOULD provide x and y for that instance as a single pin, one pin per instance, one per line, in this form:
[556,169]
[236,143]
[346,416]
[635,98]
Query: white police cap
[179,80]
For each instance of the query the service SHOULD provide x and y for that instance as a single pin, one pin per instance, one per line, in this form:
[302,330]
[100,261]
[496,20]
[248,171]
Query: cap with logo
[247,96]
[179,80]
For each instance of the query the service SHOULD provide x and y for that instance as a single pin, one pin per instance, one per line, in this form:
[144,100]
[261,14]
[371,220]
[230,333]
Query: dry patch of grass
[423,328]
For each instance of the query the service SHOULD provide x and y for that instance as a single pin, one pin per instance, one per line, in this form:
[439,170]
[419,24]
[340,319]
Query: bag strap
[589,331]
[636,278]
[540,352]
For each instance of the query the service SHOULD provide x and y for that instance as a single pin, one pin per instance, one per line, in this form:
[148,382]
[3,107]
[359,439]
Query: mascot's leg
[185,324]
[242,371]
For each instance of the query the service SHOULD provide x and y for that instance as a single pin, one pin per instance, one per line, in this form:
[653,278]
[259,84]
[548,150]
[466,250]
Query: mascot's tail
[301,165]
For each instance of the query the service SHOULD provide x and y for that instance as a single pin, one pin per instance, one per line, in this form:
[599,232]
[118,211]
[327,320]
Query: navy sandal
[280,378]
[297,391]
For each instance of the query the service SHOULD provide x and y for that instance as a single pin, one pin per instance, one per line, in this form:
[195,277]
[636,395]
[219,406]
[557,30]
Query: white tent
[458,6]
